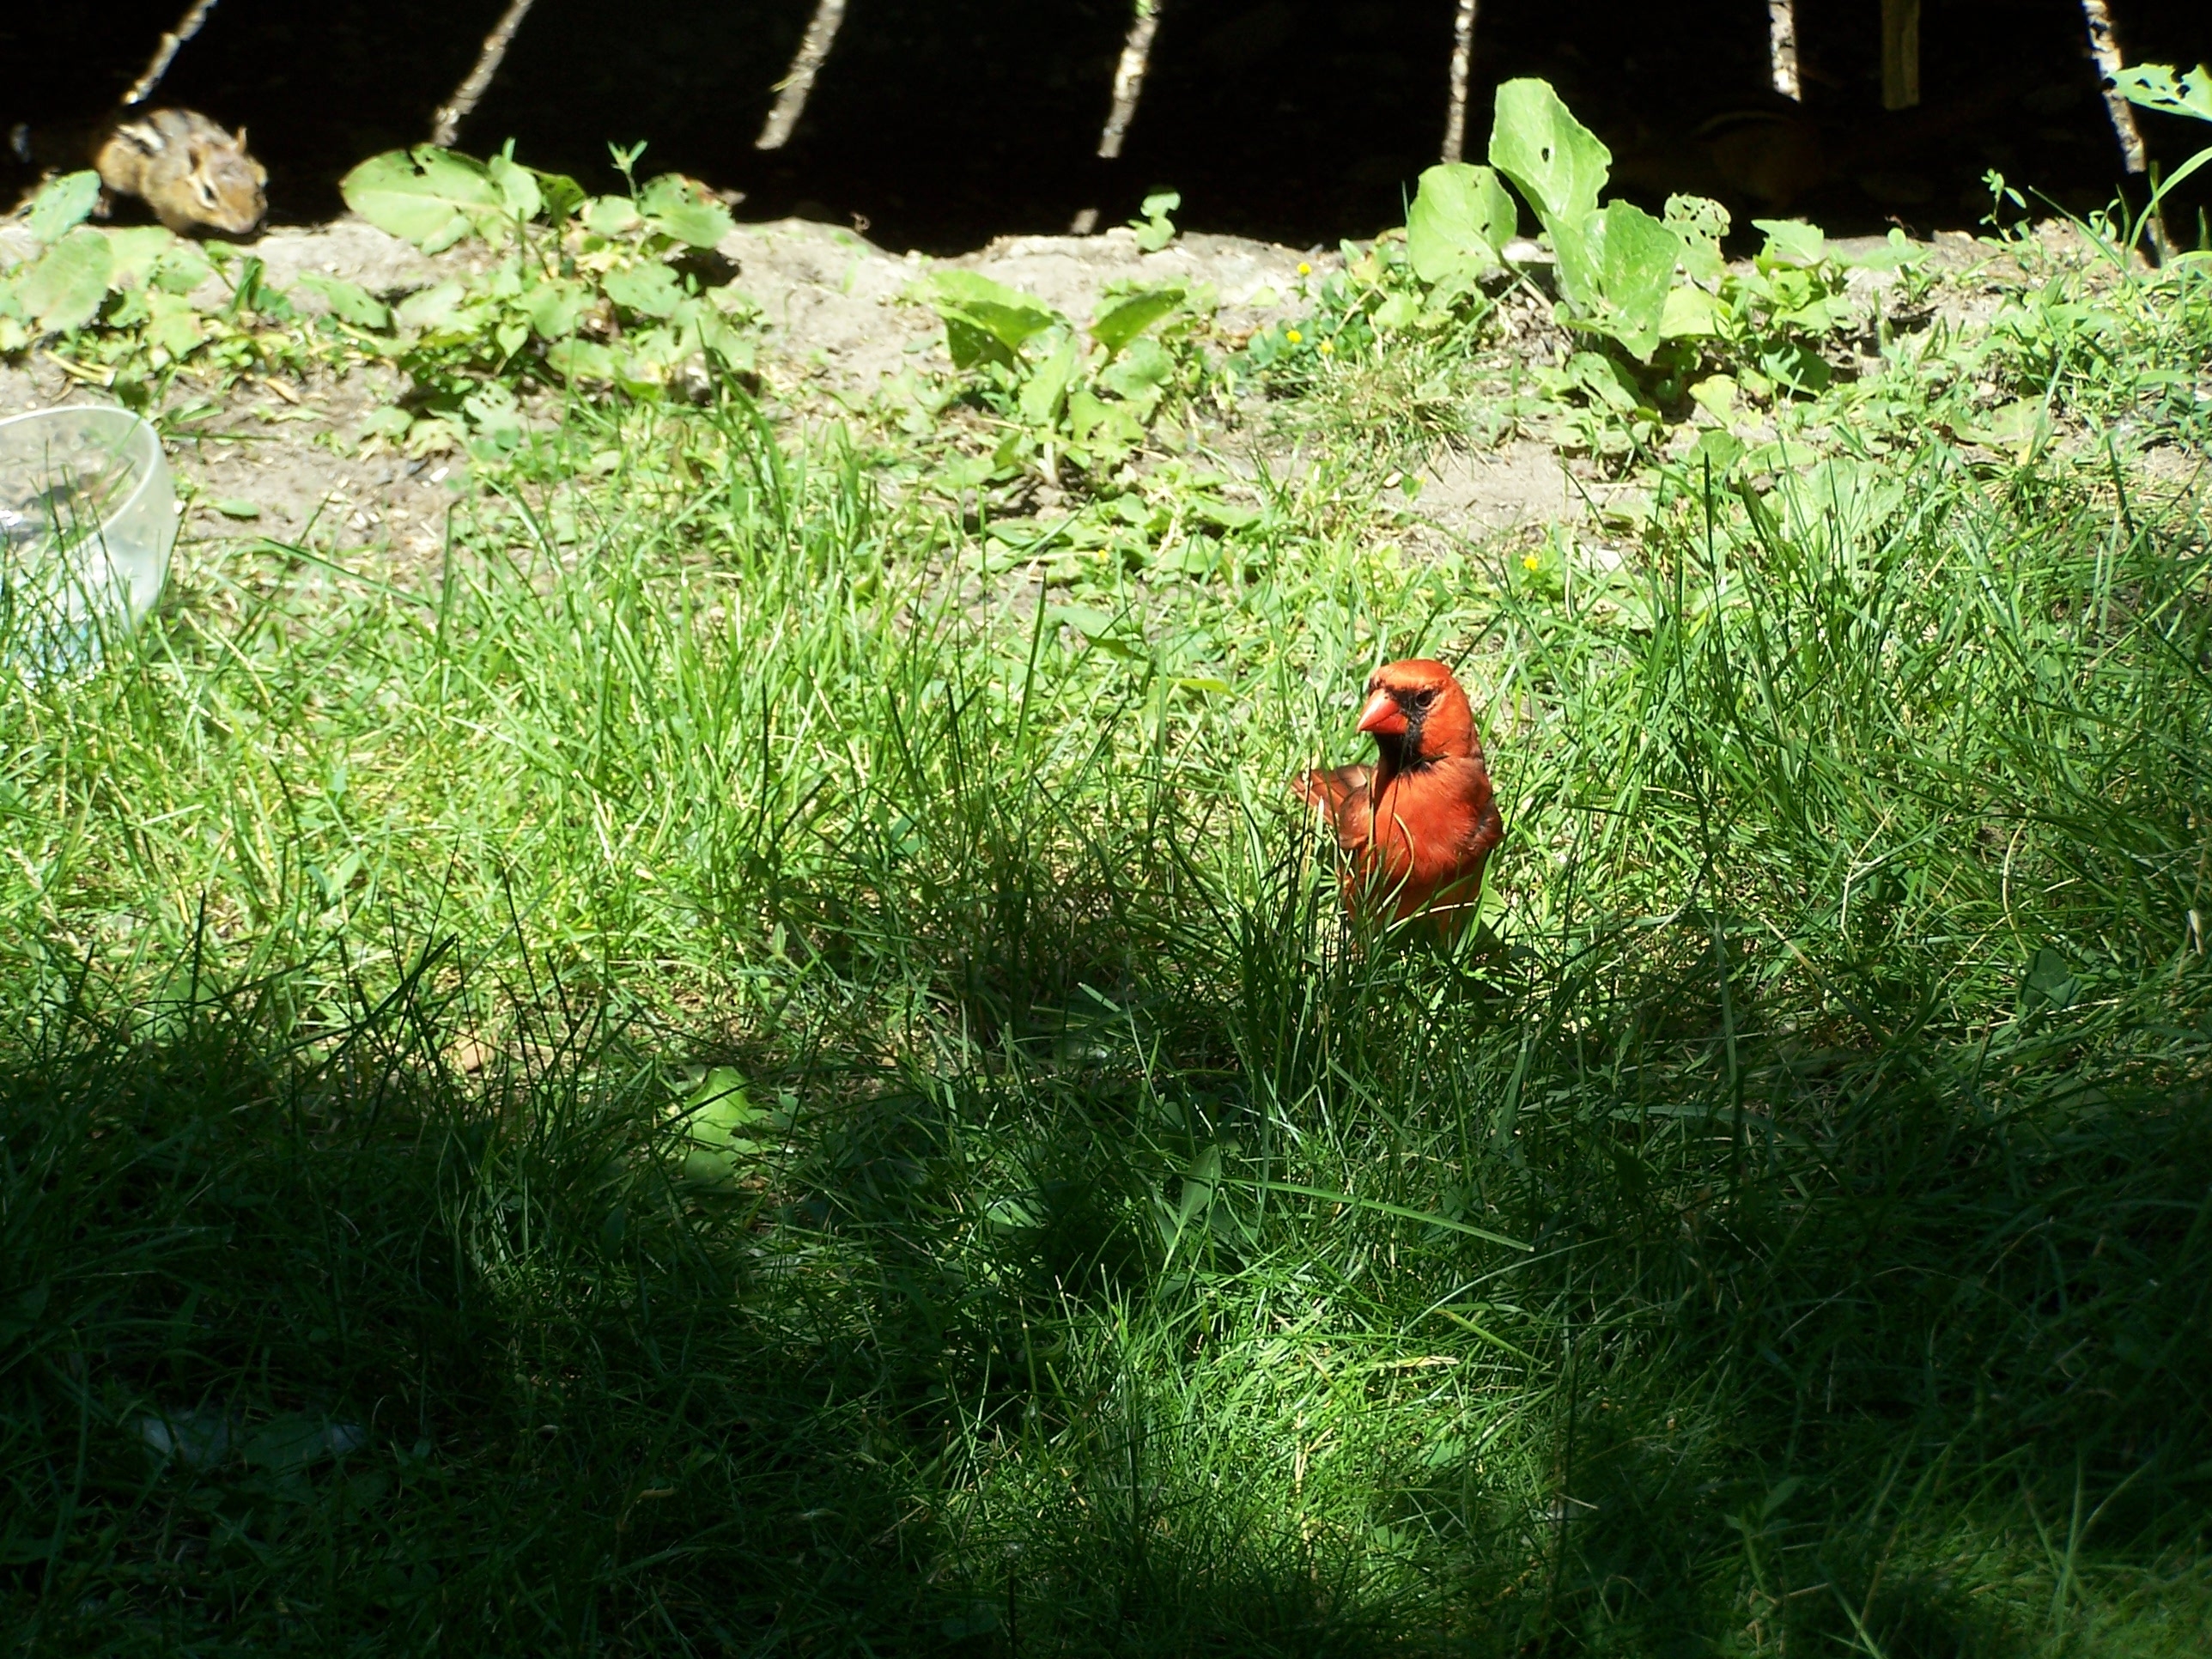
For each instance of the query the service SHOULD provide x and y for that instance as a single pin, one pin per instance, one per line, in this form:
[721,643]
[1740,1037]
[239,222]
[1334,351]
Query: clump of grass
[1791,1232]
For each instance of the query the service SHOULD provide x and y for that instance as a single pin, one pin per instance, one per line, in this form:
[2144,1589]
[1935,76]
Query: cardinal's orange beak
[1382,715]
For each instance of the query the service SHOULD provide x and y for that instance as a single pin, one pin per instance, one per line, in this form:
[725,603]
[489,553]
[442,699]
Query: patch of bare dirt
[276,457]
[837,320]
[830,299]
[2174,470]
[265,461]
[1493,492]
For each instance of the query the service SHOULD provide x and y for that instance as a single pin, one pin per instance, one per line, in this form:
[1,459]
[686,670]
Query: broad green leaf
[432,435]
[984,319]
[1108,426]
[1011,1215]
[1699,223]
[387,422]
[555,305]
[1225,515]
[611,215]
[518,186]
[1716,394]
[62,205]
[1795,365]
[129,310]
[1398,311]
[1460,222]
[1201,1184]
[171,325]
[1578,245]
[1141,374]
[1818,315]
[431,308]
[181,267]
[1604,380]
[1156,230]
[650,290]
[720,1104]
[676,207]
[2010,426]
[1690,314]
[970,345]
[1126,318]
[2049,980]
[1715,447]
[719,1117]
[502,281]
[1043,392]
[233,507]
[64,288]
[701,327]
[1087,620]
[349,301]
[431,197]
[647,358]
[1791,242]
[562,195]
[137,249]
[1897,252]
[1625,264]
[1782,455]
[2157,86]
[1552,158]
[493,411]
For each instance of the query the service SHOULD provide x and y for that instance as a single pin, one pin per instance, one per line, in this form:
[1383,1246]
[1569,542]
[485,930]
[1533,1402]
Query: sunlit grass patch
[1788,1231]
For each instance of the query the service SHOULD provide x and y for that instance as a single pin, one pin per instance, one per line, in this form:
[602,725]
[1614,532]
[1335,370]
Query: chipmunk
[1770,154]
[1763,155]
[192,173]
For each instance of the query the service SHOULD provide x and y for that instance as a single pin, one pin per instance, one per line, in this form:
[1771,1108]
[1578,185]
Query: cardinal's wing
[1339,795]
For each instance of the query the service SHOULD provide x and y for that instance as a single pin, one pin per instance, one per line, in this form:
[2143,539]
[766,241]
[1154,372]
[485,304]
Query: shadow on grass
[317,1341]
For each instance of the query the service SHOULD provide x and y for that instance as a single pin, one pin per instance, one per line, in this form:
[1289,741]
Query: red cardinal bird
[1415,827]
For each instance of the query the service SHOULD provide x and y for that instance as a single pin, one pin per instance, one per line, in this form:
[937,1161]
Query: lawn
[722,1065]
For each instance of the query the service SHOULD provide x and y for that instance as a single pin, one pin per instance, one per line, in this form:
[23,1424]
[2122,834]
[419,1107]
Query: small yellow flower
[1293,336]
[1530,562]
[1325,347]
[1305,269]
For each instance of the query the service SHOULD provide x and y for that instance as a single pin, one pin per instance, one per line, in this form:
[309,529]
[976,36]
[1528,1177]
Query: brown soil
[838,324]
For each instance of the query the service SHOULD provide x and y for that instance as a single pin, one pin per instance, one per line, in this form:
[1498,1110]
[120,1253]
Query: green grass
[1790,1235]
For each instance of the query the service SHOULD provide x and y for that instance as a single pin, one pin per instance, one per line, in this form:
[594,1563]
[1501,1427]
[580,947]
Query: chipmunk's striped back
[194,175]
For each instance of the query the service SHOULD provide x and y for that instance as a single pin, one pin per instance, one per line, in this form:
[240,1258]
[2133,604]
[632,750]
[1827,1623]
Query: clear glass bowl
[87,516]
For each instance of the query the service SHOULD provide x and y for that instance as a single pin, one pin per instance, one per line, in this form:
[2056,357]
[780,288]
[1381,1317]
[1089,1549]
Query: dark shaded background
[944,123]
